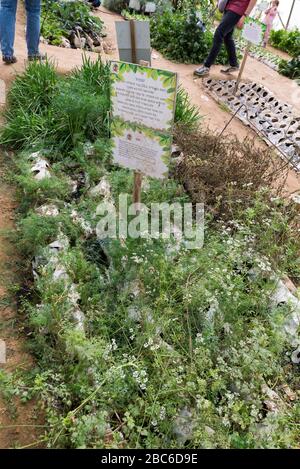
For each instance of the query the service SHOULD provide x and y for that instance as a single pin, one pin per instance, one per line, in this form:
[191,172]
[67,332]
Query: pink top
[270,15]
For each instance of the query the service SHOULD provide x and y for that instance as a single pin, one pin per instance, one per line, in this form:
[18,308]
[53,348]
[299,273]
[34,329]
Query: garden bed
[143,343]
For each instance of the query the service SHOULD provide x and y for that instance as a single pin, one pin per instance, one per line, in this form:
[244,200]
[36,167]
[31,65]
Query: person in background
[8,11]
[95,3]
[235,13]
[271,14]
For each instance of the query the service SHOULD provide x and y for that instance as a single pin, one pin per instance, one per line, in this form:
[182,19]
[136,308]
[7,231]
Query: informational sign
[253,31]
[150,7]
[135,5]
[141,40]
[263,6]
[143,107]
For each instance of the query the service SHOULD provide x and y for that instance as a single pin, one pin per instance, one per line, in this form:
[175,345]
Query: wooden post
[242,68]
[138,177]
[133,43]
[137,187]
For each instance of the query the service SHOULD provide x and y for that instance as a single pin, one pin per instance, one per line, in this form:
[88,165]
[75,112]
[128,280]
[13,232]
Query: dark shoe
[39,57]
[202,71]
[9,60]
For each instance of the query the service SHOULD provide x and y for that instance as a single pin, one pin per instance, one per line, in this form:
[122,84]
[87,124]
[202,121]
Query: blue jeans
[8,9]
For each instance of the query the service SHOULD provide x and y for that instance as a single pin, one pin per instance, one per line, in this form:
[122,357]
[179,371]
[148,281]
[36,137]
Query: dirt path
[216,118]
[18,422]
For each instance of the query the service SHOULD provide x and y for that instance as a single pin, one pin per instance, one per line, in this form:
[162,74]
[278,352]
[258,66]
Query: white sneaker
[202,71]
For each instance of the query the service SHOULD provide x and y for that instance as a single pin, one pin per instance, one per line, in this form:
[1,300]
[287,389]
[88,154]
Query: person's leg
[33,11]
[231,50]
[8,9]
[229,21]
[267,35]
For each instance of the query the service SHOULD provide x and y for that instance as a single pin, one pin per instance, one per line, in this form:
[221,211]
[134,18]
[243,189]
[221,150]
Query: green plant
[288,41]
[33,90]
[178,37]
[290,68]
[73,110]
[134,16]
[60,18]
[186,113]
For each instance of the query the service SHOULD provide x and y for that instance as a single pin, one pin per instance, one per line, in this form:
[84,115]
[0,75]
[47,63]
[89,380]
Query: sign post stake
[137,188]
[133,43]
[242,68]
[138,177]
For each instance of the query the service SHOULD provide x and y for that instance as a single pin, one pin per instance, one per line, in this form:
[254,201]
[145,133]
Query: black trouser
[224,32]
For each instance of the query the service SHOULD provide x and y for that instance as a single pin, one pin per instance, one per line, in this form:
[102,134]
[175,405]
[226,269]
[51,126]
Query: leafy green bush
[290,68]
[73,109]
[287,41]
[179,38]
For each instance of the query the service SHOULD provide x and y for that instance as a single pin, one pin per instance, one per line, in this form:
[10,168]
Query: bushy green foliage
[287,41]
[290,68]
[74,109]
[179,38]
[60,17]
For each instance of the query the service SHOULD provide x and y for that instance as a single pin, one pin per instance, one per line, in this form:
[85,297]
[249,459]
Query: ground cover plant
[143,343]
[70,24]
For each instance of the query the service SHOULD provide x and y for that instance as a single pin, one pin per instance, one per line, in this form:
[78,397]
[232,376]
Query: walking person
[235,13]
[8,11]
[270,15]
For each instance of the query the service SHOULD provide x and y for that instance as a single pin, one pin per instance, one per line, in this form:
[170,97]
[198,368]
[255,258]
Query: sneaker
[9,60]
[230,70]
[202,71]
[39,57]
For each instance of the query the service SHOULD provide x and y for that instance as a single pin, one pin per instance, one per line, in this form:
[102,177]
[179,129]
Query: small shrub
[287,41]
[186,113]
[290,68]
[223,172]
[179,38]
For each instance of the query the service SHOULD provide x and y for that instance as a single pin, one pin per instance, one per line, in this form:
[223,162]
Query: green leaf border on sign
[119,127]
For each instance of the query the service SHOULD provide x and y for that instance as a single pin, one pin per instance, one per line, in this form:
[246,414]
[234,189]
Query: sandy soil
[17,422]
